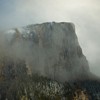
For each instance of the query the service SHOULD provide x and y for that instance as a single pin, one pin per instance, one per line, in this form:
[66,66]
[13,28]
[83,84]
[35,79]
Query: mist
[84,14]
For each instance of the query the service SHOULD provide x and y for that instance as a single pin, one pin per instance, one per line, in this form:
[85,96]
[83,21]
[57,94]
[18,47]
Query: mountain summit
[49,49]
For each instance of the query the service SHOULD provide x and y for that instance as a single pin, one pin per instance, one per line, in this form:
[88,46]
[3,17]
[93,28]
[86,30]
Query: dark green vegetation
[17,84]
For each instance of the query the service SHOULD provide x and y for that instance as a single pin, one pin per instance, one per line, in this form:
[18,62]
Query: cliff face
[50,49]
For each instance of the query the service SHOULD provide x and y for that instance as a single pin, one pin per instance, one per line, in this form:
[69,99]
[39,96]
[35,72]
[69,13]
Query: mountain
[50,49]
[45,62]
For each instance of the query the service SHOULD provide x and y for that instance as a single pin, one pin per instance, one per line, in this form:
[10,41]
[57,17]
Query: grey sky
[85,14]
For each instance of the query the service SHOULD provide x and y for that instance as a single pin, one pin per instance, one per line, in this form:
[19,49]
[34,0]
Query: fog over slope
[83,13]
[49,49]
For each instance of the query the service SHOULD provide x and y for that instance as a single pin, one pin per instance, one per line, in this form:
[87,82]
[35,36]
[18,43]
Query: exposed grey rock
[50,49]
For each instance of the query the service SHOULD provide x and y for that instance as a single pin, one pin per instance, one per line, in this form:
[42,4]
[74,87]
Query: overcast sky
[85,14]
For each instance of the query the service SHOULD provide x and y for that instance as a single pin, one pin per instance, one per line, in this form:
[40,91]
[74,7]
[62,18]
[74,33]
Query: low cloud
[84,14]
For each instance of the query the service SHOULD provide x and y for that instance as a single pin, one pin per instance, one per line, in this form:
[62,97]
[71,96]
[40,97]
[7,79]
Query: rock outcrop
[50,49]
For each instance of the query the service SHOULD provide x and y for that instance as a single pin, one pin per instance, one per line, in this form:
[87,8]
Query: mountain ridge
[50,49]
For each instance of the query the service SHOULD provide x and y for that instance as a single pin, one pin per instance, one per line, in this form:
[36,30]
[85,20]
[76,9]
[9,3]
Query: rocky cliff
[49,49]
